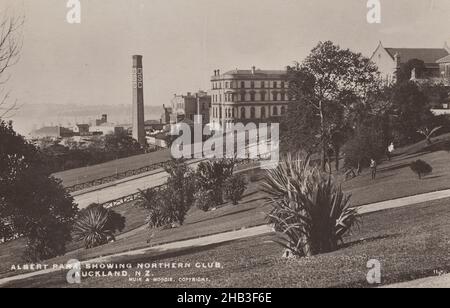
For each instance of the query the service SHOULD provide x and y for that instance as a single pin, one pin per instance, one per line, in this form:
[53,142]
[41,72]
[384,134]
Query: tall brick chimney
[138,100]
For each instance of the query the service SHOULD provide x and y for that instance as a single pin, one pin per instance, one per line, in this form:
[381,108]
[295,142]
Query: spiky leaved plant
[160,211]
[308,207]
[96,225]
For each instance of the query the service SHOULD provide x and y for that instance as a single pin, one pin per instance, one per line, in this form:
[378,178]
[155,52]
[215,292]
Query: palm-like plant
[160,211]
[428,133]
[96,225]
[308,207]
[212,175]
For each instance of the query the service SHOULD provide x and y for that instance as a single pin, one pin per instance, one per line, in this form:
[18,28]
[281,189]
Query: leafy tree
[368,141]
[96,225]
[122,145]
[212,175]
[327,85]
[412,111]
[437,93]
[32,204]
[10,48]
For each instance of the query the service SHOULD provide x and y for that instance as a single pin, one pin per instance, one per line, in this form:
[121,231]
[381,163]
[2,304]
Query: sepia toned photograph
[224,150]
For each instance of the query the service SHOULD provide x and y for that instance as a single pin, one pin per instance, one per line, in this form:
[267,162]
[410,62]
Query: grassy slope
[407,248]
[395,180]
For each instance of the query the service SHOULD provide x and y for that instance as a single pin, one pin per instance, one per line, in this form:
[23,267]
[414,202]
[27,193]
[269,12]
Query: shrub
[235,188]
[421,168]
[97,225]
[170,204]
[164,207]
[211,176]
[204,200]
[47,241]
[307,207]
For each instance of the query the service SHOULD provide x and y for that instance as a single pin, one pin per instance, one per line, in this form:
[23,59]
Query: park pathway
[441,282]
[246,233]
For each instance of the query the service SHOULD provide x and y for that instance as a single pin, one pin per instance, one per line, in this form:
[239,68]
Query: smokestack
[138,100]
[253,70]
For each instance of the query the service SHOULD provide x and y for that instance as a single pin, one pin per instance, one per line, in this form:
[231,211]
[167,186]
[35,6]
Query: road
[123,188]
[91,173]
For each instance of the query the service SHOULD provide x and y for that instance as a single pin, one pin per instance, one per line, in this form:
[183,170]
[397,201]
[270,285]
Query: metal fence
[115,177]
[137,195]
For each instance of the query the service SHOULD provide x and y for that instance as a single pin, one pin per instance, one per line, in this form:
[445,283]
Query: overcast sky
[183,41]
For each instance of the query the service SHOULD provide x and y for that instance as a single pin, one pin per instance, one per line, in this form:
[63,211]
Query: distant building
[248,95]
[168,116]
[187,106]
[389,60]
[101,121]
[106,129]
[153,125]
[52,132]
[81,129]
[444,67]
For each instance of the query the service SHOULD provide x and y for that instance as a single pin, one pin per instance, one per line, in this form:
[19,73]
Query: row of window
[243,97]
[203,106]
[228,113]
[253,85]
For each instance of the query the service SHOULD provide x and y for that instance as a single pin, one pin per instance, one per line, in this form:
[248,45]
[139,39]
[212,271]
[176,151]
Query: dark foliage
[212,175]
[169,204]
[421,168]
[96,225]
[235,188]
[32,204]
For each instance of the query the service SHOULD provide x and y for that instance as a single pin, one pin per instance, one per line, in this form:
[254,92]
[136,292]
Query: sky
[184,41]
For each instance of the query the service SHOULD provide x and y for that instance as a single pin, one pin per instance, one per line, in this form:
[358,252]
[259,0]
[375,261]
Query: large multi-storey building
[188,106]
[248,96]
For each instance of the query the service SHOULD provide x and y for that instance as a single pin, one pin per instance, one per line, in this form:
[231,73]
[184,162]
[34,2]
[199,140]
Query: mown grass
[395,180]
[410,242]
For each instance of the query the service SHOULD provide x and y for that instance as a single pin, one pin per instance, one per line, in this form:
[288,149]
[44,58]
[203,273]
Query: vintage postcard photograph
[224,151]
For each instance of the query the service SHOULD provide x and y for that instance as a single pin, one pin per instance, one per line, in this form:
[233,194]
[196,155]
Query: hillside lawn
[395,180]
[408,249]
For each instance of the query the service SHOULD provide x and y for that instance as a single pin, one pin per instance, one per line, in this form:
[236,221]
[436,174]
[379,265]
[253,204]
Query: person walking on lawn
[373,168]
[390,151]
